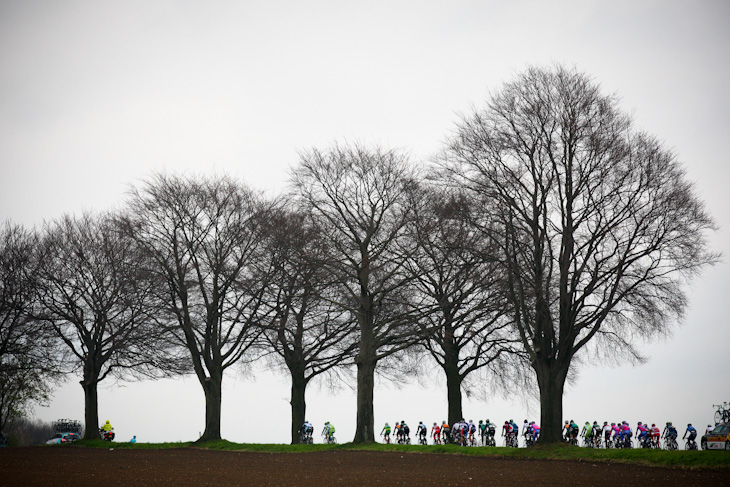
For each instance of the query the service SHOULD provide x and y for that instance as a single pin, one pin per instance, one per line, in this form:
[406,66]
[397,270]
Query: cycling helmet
[506,422]
[511,420]
[613,424]
[487,421]
[639,423]
[480,421]
[690,424]
[434,424]
[653,425]
[566,422]
[605,423]
[525,421]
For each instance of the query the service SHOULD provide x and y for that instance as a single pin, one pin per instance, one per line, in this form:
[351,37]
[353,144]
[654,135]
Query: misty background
[95,96]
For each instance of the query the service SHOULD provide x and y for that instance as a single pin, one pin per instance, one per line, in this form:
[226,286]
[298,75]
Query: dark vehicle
[61,438]
[718,438]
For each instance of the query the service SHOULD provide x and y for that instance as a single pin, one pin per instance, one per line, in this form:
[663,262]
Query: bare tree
[28,352]
[598,227]
[308,331]
[205,235]
[361,200]
[465,322]
[98,298]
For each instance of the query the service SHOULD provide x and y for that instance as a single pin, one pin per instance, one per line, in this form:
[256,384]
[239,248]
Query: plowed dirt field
[62,466]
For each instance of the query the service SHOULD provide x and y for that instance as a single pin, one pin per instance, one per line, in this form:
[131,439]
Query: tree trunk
[212,386]
[298,404]
[91,409]
[453,392]
[551,380]
[365,432]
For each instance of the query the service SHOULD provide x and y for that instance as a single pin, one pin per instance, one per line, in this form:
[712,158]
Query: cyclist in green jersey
[385,433]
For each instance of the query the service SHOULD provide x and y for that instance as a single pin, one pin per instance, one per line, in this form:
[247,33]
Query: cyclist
[670,434]
[445,432]
[566,431]
[328,432]
[535,432]
[616,431]
[692,432]
[587,433]
[596,434]
[526,430]
[472,429]
[385,433]
[515,429]
[405,432]
[306,431]
[626,434]
[655,435]
[421,432]
[606,432]
[398,432]
[642,435]
[436,434]
[573,428]
[491,431]
[483,432]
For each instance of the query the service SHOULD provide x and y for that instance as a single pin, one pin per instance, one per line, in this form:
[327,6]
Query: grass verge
[680,458]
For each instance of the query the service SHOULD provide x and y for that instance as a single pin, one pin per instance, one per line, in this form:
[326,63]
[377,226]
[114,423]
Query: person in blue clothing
[692,432]
[134,439]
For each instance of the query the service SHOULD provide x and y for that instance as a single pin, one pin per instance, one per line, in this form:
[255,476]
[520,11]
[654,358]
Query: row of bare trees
[548,227]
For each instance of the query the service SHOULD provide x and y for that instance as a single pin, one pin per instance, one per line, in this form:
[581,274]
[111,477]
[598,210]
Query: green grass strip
[679,458]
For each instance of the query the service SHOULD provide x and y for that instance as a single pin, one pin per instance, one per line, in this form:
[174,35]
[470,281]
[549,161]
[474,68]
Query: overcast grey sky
[96,95]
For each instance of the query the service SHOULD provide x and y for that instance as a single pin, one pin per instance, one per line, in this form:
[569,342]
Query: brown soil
[60,466]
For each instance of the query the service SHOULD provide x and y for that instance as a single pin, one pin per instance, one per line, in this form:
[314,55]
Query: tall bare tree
[205,235]
[308,331]
[361,200]
[29,354]
[465,321]
[598,226]
[95,293]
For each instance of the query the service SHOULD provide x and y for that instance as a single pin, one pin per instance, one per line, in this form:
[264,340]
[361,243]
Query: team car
[63,438]
[718,438]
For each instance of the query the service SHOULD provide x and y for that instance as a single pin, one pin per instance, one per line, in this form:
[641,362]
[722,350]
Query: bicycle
[422,440]
[690,445]
[722,415]
[386,439]
[670,443]
[329,439]
[609,444]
